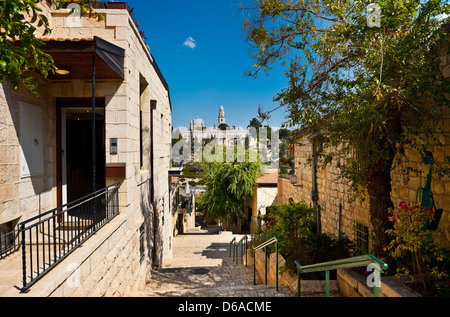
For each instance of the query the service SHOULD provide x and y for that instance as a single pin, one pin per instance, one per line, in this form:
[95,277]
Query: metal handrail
[264,246]
[243,249]
[232,243]
[53,235]
[358,261]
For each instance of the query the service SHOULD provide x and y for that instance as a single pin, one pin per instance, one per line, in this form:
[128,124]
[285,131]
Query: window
[162,130]
[143,124]
[361,234]
[141,142]
[9,239]
[31,140]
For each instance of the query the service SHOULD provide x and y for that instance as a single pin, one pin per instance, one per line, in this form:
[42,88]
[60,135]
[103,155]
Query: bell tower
[221,115]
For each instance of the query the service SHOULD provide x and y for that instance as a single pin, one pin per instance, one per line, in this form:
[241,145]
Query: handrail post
[276,251]
[298,277]
[265,253]
[327,274]
[246,251]
[24,265]
[376,287]
[254,266]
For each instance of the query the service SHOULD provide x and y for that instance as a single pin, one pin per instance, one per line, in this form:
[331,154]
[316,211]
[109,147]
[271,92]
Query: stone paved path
[202,267]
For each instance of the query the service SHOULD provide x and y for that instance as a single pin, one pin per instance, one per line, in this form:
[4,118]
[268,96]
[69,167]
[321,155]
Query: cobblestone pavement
[202,267]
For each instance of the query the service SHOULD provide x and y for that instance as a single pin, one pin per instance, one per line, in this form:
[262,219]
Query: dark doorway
[79,152]
[75,172]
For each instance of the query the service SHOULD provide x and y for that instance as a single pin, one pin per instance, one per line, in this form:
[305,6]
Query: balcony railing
[50,237]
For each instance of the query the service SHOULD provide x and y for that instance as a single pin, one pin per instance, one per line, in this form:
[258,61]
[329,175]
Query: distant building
[198,130]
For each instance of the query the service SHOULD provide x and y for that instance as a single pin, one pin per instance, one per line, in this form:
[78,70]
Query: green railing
[364,260]
[264,246]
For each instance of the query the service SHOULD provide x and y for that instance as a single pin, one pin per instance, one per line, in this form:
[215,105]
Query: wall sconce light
[62,70]
[293,179]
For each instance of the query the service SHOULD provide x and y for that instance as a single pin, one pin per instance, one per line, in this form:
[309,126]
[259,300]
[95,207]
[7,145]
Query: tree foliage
[227,184]
[22,22]
[366,92]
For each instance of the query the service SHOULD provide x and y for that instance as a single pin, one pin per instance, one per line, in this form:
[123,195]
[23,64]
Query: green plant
[294,227]
[421,258]
[286,164]
[226,186]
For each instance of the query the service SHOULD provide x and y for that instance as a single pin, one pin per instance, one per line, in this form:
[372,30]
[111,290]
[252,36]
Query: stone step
[223,291]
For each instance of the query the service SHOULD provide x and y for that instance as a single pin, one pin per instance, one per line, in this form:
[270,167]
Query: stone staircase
[228,280]
[202,267]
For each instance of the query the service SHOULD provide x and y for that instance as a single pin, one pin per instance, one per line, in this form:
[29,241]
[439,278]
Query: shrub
[294,226]
[419,257]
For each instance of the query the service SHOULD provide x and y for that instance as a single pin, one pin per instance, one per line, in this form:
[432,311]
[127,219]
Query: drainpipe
[152,183]
[314,192]
[94,159]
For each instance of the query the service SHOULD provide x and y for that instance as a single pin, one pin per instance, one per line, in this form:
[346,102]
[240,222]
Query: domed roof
[198,121]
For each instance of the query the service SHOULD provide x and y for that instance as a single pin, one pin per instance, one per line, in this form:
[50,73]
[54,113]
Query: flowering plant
[413,242]
[286,165]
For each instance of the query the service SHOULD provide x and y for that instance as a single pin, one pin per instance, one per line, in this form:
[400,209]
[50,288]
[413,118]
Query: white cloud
[190,42]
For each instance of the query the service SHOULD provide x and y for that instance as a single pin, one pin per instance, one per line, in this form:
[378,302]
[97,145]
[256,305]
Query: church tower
[221,115]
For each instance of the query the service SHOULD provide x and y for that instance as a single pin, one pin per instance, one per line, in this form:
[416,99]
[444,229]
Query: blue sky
[199,47]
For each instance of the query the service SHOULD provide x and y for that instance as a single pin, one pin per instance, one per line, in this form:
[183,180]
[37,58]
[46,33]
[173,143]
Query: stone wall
[262,197]
[24,197]
[112,262]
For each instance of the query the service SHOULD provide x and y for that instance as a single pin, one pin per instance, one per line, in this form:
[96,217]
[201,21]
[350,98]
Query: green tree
[20,48]
[227,184]
[375,90]
[284,133]
[255,123]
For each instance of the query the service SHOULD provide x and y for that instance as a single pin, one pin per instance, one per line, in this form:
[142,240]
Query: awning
[76,55]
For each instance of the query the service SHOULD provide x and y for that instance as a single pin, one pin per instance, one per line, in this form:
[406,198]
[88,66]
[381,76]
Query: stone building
[265,194]
[198,133]
[317,183]
[47,157]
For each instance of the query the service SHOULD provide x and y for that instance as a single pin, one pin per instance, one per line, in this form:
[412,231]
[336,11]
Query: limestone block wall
[124,101]
[117,256]
[334,194]
[24,197]
[262,197]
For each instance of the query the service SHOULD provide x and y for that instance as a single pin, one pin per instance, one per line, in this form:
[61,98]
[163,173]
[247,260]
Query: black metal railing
[50,237]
